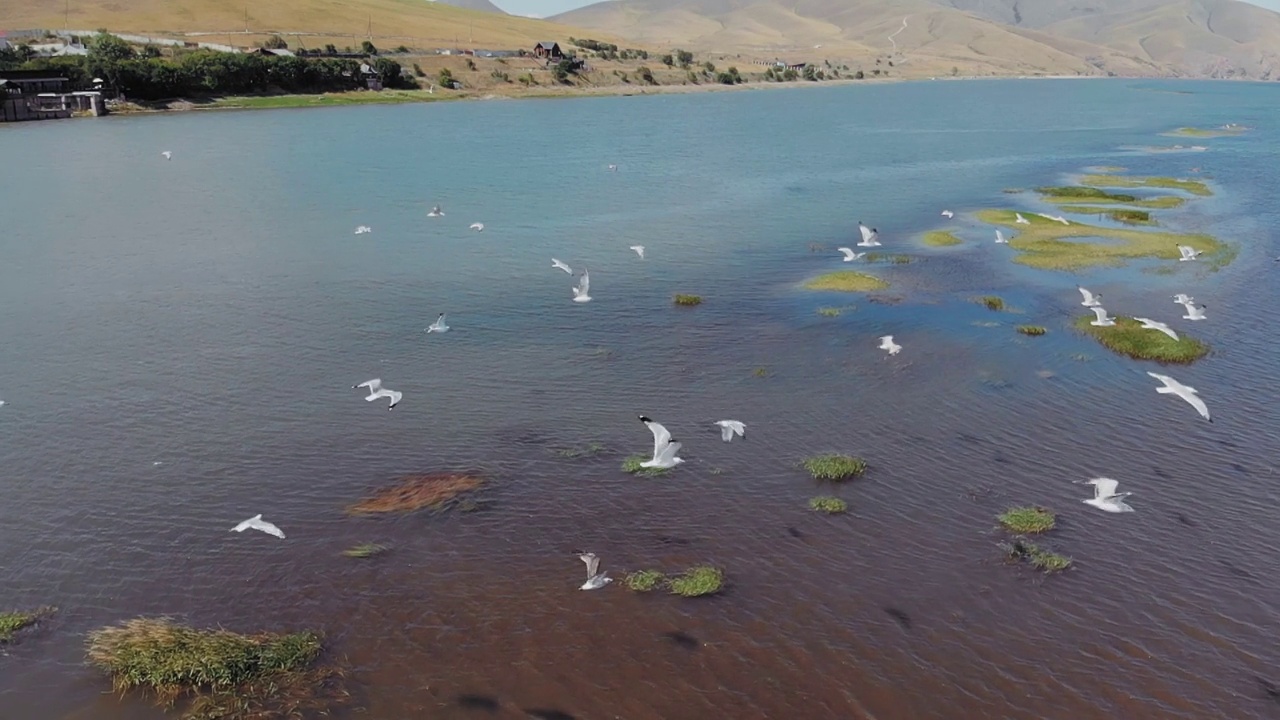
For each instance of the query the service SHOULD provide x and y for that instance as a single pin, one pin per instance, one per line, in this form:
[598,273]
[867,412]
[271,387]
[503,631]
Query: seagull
[438,325]
[376,391]
[613,168]
[167,155]
[869,236]
[1090,299]
[1000,239]
[478,227]
[1105,496]
[257,523]
[1186,392]
[1,402]
[887,343]
[1183,298]
[1103,320]
[363,229]
[1149,324]
[557,264]
[1193,312]
[1017,217]
[1188,253]
[584,284]
[664,448]
[849,254]
[729,428]
[436,212]
[639,250]
[1055,218]
[595,579]
[948,214]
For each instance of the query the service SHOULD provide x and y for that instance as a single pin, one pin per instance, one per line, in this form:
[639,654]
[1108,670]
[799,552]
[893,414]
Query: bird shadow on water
[682,639]
[901,616]
[548,714]
[486,703]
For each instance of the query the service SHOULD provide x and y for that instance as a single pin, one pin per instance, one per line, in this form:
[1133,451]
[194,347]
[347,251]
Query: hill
[928,37]
[481,5]
[416,23]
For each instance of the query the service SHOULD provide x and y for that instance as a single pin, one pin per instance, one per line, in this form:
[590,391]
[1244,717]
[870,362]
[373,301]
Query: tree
[858,75]
[330,49]
[471,64]
[646,75]
[389,73]
[668,60]
[684,57]
[150,51]
[709,66]
[367,48]
[563,70]
[106,54]
[275,42]
[446,78]
[402,49]
[810,73]
[790,75]
[417,70]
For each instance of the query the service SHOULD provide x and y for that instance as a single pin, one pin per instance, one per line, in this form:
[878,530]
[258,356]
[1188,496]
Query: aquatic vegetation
[698,581]
[1129,217]
[631,464]
[1012,191]
[16,620]
[1108,169]
[688,300]
[828,504]
[993,302]
[365,550]
[1195,187]
[1128,337]
[644,580]
[228,676]
[1048,245]
[1027,520]
[829,311]
[940,238]
[591,449]
[846,281]
[1205,132]
[1033,330]
[895,258]
[1040,558]
[835,467]
[1078,193]
[415,492]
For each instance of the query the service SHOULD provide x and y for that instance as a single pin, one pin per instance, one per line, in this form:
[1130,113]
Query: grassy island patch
[828,504]
[1040,558]
[1027,520]
[365,550]
[631,464]
[1050,245]
[688,300]
[698,581]
[415,492]
[1205,132]
[644,580]
[1128,337]
[227,676]
[14,621]
[835,467]
[591,449]
[1126,216]
[992,302]
[1032,330]
[1195,187]
[940,238]
[846,281]
[1080,193]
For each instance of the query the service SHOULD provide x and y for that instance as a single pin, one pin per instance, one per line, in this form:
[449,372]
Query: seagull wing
[661,437]
[848,253]
[867,234]
[557,264]
[1104,488]
[593,564]
[267,528]
[373,384]
[1088,296]
[668,453]
[584,284]
[1101,313]
[395,397]
[1189,394]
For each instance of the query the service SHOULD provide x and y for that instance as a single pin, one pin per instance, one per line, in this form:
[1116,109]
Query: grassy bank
[846,281]
[1195,187]
[276,102]
[1078,193]
[1128,337]
[940,238]
[1050,245]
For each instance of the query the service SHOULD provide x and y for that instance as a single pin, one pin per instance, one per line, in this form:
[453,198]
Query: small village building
[549,50]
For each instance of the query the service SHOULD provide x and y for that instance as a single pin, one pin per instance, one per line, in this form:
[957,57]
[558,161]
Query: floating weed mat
[17,620]
[415,492]
[220,674]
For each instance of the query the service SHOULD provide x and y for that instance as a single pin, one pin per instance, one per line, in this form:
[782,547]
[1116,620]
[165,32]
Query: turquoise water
[211,313]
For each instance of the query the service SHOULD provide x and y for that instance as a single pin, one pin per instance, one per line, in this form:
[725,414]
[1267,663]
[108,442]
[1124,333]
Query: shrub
[646,75]
[368,48]
[835,467]
[275,42]
[698,581]
[828,504]
[993,302]
[688,300]
[644,580]
[445,78]
[1027,520]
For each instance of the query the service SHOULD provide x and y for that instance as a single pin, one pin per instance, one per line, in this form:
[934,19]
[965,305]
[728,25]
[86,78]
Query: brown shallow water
[228,358]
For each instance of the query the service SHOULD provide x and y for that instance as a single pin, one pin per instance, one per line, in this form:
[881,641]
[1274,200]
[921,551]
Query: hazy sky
[546,8]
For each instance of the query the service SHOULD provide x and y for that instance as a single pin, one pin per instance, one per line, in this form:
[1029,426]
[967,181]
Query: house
[32,82]
[370,76]
[547,50]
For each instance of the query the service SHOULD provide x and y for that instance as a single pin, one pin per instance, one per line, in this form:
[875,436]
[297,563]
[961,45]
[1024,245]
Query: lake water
[178,342]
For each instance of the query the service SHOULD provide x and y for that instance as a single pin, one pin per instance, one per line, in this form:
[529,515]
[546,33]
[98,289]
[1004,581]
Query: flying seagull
[869,236]
[1193,312]
[557,264]
[1017,217]
[948,214]
[257,523]
[729,428]
[363,229]
[436,212]
[887,343]
[478,227]
[664,448]
[639,250]
[1000,239]
[376,391]
[1090,299]
[1103,320]
[849,254]
[613,168]
[438,325]
[1105,496]
[1055,218]
[1183,298]
[1186,392]
[1188,253]
[595,579]
[1149,324]
[167,155]
[584,285]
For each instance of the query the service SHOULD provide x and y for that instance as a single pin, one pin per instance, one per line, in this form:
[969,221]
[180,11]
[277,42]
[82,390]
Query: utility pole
[370,27]
[66,18]
[246,19]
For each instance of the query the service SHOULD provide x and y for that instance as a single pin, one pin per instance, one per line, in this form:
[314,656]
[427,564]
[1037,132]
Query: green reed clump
[365,550]
[1027,520]
[760,372]
[1080,191]
[835,467]
[828,504]
[573,453]
[631,464]
[644,580]
[15,620]
[229,676]
[1040,558]
[1128,337]
[688,300]
[829,312]
[993,302]
[698,581]
[1032,330]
